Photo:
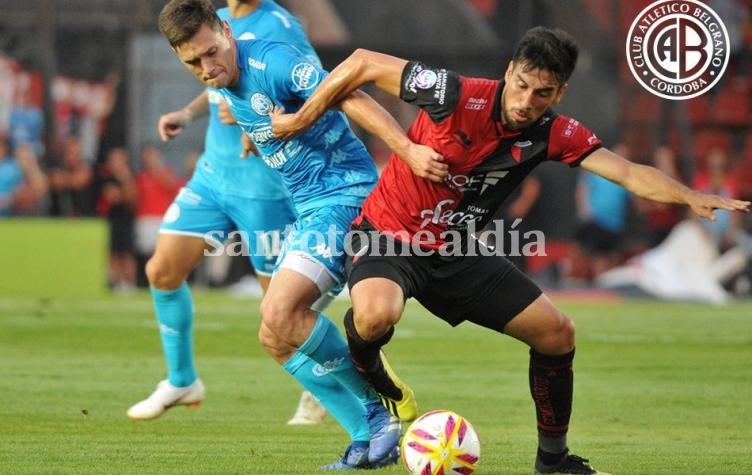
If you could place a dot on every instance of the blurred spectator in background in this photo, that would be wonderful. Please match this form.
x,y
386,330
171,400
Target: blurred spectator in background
x,y
715,177
727,232
737,18
602,209
22,182
685,266
157,186
26,122
660,218
699,259
71,181
117,202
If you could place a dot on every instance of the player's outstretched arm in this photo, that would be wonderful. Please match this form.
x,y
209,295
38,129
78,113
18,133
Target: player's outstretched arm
x,y
361,67
170,125
651,183
422,160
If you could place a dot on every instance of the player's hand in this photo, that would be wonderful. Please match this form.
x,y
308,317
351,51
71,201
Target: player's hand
x,y
249,148
225,115
704,205
172,124
425,162
284,126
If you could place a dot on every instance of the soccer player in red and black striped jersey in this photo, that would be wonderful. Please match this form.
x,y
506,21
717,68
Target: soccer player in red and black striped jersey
x,y
490,134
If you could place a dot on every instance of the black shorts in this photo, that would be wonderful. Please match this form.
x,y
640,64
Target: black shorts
x,y
121,232
486,290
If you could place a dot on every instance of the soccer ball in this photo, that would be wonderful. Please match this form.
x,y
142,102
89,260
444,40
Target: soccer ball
x,y
440,443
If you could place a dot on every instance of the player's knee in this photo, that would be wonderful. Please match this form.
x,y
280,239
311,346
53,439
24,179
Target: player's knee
x,y
267,338
560,338
375,320
162,274
273,345
275,313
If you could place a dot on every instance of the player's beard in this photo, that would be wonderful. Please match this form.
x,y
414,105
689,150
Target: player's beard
x,y
512,123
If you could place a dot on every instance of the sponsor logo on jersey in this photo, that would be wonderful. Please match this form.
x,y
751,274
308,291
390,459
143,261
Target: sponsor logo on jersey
x,y
440,90
480,181
262,135
570,128
443,213
261,104
305,76
476,103
280,157
425,79
276,159
677,49
254,63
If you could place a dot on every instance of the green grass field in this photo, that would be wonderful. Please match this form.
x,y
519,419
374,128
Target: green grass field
x,y
659,388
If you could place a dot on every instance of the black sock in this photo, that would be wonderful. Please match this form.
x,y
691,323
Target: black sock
x,y
551,386
546,461
366,358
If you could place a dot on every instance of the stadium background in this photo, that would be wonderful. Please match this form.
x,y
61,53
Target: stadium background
x,y
661,388
100,69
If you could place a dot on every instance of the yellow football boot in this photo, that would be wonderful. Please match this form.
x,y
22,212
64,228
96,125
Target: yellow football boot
x,y
406,409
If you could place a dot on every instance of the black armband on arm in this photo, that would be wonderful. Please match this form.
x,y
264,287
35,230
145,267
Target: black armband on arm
x,y
436,91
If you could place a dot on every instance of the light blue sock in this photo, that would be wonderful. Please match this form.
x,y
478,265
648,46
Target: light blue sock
x,y
341,403
326,346
174,309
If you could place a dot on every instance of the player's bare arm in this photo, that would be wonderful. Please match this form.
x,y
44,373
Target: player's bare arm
x,y
225,114
651,183
172,124
361,67
422,160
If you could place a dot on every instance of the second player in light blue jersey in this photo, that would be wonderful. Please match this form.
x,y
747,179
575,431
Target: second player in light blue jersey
x,y
328,172
225,193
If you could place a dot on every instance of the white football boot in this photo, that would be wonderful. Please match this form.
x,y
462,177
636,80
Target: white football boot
x,y
309,412
166,396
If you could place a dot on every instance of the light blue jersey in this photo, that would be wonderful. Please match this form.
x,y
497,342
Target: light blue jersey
x,y
11,176
220,164
324,166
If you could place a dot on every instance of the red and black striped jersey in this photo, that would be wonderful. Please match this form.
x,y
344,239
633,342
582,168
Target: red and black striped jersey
x,y
460,118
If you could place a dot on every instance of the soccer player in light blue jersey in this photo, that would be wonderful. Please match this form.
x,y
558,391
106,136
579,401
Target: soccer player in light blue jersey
x,y
328,172
226,193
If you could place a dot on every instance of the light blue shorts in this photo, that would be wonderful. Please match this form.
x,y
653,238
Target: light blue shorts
x,y
203,211
315,247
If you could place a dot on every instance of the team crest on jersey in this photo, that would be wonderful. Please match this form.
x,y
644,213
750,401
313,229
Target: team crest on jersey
x,y
261,104
425,79
305,76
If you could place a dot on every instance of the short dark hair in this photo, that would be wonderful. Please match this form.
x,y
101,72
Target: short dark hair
x,y
551,49
180,20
